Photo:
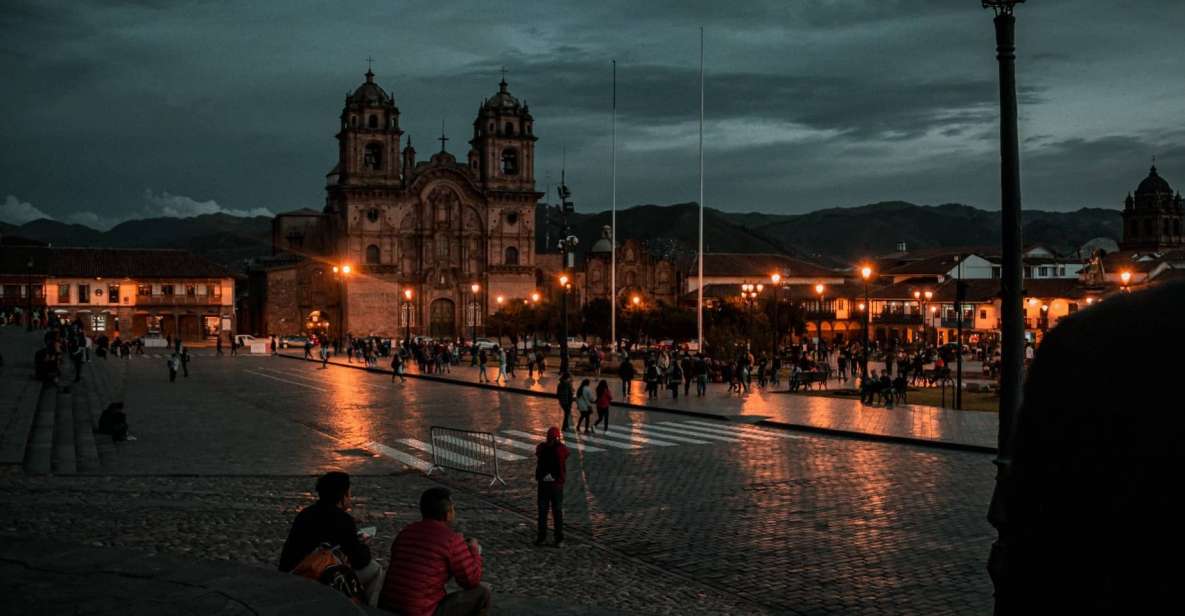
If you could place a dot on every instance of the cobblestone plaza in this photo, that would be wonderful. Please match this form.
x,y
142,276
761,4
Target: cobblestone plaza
x,y
670,514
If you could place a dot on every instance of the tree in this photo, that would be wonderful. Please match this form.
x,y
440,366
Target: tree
x,y
595,319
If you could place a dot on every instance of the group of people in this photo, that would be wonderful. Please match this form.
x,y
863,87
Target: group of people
x,y
325,544
586,400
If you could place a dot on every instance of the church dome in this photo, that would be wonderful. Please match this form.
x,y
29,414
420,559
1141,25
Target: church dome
x,y
1154,184
603,245
503,99
369,92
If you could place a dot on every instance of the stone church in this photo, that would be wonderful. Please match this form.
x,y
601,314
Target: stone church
x,y
1152,218
401,242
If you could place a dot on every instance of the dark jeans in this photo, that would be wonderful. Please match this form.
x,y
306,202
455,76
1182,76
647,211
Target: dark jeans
x,y
476,600
625,388
551,497
567,416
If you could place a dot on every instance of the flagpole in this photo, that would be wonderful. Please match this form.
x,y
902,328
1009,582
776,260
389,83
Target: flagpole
x,y
613,193
699,304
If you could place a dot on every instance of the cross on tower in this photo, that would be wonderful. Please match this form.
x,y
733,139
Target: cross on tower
x,y
503,74
442,138
369,61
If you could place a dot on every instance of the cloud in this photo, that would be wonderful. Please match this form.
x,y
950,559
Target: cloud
x,y
168,205
20,212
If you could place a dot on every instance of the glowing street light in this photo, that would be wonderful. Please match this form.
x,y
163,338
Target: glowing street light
x,y
866,274
500,299
407,312
473,321
637,301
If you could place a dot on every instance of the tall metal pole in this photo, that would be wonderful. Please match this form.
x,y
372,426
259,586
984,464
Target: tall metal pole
x,y
613,199
777,292
960,296
867,319
29,292
563,329
699,303
1012,311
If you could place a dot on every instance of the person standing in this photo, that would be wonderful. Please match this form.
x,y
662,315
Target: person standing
x,y
700,367
674,380
511,360
481,366
184,356
584,404
501,376
234,347
603,400
218,346
397,366
76,356
651,378
563,393
324,355
627,373
551,469
172,363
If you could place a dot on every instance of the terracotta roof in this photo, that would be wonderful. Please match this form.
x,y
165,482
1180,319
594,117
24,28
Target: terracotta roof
x,y
982,290
109,262
940,264
759,267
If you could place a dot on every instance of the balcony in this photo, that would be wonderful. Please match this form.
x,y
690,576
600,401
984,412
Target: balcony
x,y
818,315
178,300
897,318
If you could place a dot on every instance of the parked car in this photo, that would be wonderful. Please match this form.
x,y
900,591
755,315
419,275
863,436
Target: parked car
x,y
486,343
293,341
575,343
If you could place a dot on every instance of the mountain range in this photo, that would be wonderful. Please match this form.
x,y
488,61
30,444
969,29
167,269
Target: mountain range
x,y
834,235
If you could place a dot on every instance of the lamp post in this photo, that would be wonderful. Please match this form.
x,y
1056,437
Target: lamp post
x,y
1012,334
776,279
534,326
407,312
636,301
1126,277
565,285
749,294
29,293
865,273
473,289
341,272
819,290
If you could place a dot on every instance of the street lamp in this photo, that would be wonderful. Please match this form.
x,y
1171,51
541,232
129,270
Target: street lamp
x,y
749,292
1126,277
407,312
819,290
473,289
340,272
779,283
565,285
29,292
866,274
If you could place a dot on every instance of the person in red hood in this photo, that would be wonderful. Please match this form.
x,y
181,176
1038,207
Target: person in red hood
x,y
425,555
551,469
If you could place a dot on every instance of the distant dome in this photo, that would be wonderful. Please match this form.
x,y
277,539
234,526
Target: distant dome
x,y
603,245
503,99
1154,184
369,92
1106,244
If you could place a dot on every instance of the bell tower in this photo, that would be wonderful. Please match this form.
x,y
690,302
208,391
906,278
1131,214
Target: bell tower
x,y
368,141
503,144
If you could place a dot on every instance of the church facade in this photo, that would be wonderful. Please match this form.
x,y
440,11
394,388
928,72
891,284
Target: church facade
x,y
401,243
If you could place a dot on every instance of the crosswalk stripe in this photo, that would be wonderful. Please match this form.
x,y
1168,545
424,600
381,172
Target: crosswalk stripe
x,y
603,440
405,458
502,455
443,454
753,430
645,430
714,430
509,442
693,433
572,442
626,435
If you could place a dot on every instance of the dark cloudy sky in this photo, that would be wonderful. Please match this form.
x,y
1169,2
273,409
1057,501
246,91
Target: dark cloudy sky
x,y
118,109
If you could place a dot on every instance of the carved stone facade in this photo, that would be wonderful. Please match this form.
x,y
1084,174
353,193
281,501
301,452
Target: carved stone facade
x,y
638,273
432,228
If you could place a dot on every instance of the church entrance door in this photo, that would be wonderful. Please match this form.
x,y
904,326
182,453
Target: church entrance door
x,y
443,319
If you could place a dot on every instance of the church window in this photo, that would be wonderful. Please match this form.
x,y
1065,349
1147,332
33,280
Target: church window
x,y
511,256
354,121
373,156
372,214
511,218
442,249
509,128
509,161
372,121
372,254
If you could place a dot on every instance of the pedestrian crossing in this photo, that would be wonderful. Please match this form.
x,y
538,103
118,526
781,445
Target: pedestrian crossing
x,y
163,355
519,445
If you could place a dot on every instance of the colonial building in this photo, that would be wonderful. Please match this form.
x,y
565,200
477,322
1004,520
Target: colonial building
x,y
401,242
639,273
120,292
1152,218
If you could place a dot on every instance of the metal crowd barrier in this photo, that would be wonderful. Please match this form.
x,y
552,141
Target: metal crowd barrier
x,y
466,451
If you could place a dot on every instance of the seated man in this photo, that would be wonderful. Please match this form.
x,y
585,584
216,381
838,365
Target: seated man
x,y
328,521
425,555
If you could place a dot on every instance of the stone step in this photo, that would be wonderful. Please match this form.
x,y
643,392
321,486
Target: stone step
x,y
39,453
64,460
86,453
20,398
98,402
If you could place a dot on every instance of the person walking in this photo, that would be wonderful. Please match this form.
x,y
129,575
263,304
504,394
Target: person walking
x,y
185,361
700,367
511,360
218,346
76,356
651,378
397,367
481,367
603,400
685,365
173,365
324,356
234,347
551,469
675,379
627,372
563,393
501,376
584,404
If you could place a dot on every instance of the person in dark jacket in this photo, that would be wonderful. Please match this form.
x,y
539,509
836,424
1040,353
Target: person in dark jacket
x,y
563,392
627,372
425,555
1084,503
551,469
328,521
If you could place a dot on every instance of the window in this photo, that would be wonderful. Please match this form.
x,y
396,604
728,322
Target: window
x,y
354,121
99,322
37,290
143,290
995,272
191,290
1043,272
214,290
84,294
372,121
372,157
166,290
510,162
509,129
442,249
113,294
1073,307
372,254
1061,270
983,315
511,256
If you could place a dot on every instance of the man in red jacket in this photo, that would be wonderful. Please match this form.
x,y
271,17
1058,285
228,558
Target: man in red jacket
x,y
425,555
551,469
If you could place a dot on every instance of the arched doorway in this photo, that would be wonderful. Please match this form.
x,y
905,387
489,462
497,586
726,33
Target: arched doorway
x,y
442,319
317,325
